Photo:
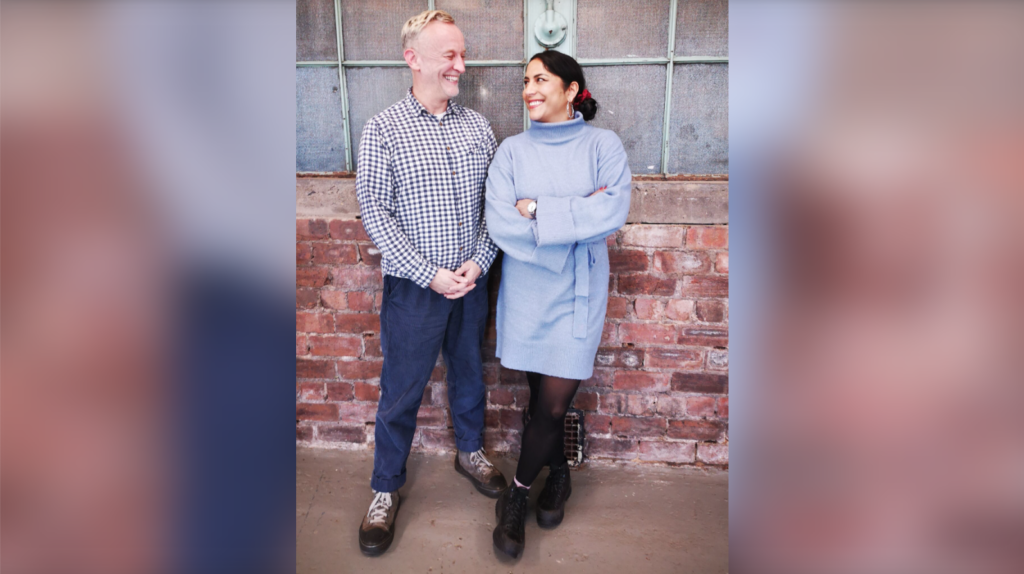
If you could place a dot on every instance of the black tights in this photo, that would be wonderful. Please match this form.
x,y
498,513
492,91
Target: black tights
x,y
544,435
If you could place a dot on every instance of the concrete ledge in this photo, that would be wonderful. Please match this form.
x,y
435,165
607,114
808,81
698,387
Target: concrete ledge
x,y
686,202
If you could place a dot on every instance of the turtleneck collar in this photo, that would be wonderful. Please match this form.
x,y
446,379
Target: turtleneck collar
x,y
557,132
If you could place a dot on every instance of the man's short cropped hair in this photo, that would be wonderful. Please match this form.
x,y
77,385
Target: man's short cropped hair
x,y
417,23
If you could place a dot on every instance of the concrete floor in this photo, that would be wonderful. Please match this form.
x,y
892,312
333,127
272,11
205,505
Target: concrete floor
x,y
623,519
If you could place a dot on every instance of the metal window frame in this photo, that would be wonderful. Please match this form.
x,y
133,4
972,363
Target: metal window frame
x,y
669,61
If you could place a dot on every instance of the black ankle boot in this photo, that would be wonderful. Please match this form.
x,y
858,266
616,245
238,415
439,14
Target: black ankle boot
x,y
551,504
510,533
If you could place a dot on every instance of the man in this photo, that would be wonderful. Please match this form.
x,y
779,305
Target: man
x,y
422,167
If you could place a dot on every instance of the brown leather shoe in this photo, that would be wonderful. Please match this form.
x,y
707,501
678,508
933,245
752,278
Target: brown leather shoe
x,y
485,476
378,527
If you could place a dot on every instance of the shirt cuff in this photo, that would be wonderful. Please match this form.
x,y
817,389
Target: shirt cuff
x,y
554,221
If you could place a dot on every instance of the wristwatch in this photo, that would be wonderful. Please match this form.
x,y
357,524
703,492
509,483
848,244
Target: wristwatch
x,y
531,208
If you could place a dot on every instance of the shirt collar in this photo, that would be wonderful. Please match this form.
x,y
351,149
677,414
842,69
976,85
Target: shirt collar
x,y
417,109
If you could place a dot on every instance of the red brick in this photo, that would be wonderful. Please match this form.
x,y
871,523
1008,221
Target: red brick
x,y
307,322
700,406
601,378
511,419
501,396
637,405
619,357
367,392
437,375
492,418
705,286
629,427
700,383
438,439
653,236
613,240
371,347
369,254
710,311
646,334
359,370
609,335
334,299
334,254
522,397
360,301
707,238
490,374
339,392
695,430
348,230
431,417
627,260
310,392
316,411
717,454
356,278
306,297
306,229
357,413
597,447
342,433
356,323
672,407
681,262
301,345
500,440
718,359
378,298
597,424
428,392
640,381
303,433
649,309
704,337
640,284
312,276
335,346
314,369
585,401
618,308
511,377
722,263
663,451
679,309
723,408
673,358
303,254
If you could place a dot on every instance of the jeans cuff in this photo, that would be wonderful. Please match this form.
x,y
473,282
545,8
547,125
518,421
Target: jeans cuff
x,y
387,484
469,445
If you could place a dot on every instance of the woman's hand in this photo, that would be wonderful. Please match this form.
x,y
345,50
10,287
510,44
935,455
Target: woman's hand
x,y
521,206
598,191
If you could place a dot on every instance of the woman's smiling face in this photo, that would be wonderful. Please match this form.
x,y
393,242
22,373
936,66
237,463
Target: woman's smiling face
x,y
544,94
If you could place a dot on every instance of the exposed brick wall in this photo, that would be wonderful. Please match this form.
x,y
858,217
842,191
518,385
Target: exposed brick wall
x,y
660,385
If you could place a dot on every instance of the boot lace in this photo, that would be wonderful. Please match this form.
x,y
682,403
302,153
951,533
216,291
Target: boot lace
x,y
478,460
378,513
555,485
516,510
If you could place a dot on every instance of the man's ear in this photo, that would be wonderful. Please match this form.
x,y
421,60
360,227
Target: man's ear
x,y
412,58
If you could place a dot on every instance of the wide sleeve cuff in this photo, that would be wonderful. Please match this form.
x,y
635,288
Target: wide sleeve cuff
x,y
554,221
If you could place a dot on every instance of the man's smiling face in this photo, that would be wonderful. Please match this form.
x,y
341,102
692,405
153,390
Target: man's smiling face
x,y
440,52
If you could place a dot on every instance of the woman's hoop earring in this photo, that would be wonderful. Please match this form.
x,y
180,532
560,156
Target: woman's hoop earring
x,y
568,109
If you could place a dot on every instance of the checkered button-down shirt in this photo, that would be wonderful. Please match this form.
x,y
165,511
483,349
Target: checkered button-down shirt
x,y
420,186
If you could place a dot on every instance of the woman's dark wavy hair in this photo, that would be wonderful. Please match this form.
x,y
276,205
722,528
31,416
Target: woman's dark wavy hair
x,y
569,70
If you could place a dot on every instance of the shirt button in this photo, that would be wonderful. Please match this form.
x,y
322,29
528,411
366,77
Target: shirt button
x,y
460,249
447,148
460,224
453,173
440,123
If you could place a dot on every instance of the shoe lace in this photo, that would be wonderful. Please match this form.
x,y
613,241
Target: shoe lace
x,y
480,461
517,508
555,485
379,508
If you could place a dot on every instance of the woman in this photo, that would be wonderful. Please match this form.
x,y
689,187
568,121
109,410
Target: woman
x,y
554,193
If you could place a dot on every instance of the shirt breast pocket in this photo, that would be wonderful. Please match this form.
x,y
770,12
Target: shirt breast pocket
x,y
472,159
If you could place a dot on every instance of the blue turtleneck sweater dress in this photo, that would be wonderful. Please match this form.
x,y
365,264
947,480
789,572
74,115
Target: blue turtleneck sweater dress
x,y
554,275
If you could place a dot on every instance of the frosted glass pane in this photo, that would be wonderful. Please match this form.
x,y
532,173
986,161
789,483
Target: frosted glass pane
x,y
616,29
315,32
497,93
371,91
373,30
493,29
631,103
702,28
319,132
699,125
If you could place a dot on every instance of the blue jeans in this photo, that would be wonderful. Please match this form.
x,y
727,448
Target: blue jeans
x,y
416,324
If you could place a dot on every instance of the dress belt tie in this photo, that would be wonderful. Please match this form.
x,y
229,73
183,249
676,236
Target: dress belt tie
x,y
584,260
